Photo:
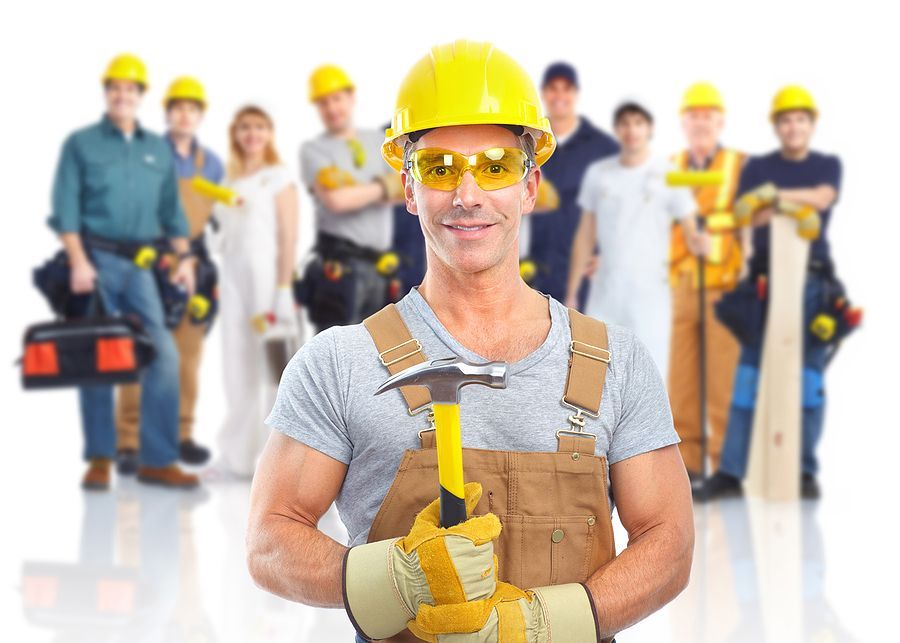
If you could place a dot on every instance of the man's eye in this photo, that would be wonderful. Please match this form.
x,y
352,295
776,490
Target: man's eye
x,y
440,171
496,169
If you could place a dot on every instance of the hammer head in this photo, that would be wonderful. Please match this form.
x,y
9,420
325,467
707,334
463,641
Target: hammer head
x,y
444,377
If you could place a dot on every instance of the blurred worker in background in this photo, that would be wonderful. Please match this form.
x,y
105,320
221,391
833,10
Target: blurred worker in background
x,y
702,120
352,189
800,176
185,104
115,194
257,239
628,209
409,244
579,143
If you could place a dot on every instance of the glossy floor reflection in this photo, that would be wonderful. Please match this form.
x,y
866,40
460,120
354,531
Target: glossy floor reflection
x,y
155,565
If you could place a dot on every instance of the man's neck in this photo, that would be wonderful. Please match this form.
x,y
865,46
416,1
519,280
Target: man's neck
x,y
183,143
795,154
633,158
701,154
564,125
125,125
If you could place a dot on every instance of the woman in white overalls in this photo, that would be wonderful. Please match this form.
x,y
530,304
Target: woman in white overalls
x,y
257,240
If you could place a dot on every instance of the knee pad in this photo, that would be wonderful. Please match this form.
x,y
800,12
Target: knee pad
x,y
813,388
746,382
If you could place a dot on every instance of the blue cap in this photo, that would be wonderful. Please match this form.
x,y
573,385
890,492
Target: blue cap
x,y
560,70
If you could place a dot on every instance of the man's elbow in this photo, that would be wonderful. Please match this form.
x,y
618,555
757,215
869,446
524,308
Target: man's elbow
x,y
684,558
257,557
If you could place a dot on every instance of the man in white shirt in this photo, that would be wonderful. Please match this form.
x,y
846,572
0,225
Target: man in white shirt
x,y
628,209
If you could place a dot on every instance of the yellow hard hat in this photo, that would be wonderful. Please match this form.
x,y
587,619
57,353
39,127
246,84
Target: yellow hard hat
x,y
327,79
185,88
466,83
126,67
790,98
702,95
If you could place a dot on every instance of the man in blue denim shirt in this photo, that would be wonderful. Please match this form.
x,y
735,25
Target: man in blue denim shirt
x,y
805,177
115,191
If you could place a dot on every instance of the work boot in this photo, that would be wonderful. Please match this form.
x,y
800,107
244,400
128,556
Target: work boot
x,y
722,485
190,452
96,478
127,462
171,476
809,487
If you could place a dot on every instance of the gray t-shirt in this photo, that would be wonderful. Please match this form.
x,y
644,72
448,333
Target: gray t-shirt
x,y
372,226
326,400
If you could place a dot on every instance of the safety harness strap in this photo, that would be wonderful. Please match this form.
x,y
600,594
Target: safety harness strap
x,y
398,350
587,363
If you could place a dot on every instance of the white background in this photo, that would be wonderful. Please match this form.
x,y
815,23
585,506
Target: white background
x,y
52,55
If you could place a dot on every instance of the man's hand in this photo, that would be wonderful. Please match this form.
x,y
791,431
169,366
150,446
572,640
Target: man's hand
x,y
699,243
386,582
592,265
82,277
186,274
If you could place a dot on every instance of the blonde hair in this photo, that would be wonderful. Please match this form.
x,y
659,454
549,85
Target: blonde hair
x,y
236,155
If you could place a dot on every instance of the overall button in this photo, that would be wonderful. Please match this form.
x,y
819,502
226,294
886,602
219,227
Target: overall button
x,y
576,455
591,521
558,535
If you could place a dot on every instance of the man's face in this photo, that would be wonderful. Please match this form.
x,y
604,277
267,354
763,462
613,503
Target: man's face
x,y
470,229
702,127
560,98
123,97
336,110
795,129
183,117
633,131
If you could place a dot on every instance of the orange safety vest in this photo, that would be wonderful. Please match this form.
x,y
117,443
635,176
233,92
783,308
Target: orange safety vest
x,y
723,265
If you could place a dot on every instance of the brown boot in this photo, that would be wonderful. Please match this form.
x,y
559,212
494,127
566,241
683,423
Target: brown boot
x,y
171,476
97,476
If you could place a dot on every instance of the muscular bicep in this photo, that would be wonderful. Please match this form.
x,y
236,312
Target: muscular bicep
x,y
294,481
653,489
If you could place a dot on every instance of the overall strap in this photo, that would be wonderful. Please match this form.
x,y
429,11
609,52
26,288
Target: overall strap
x,y
199,159
588,360
398,350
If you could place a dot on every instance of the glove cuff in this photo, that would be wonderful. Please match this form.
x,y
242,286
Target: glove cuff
x,y
371,597
569,612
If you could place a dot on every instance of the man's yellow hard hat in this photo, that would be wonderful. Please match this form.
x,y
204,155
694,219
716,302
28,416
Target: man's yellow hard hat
x,y
126,67
702,95
466,83
327,79
185,88
790,98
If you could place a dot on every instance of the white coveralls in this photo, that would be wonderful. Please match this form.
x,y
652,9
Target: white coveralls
x,y
248,245
634,210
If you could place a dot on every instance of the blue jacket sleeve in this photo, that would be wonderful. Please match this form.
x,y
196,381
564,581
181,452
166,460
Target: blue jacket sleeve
x,y
66,214
172,218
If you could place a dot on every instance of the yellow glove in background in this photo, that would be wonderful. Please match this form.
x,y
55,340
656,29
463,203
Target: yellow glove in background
x,y
386,582
753,201
547,197
809,223
513,615
331,178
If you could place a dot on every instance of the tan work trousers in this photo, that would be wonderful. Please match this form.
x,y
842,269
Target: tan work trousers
x,y
189,340
722,354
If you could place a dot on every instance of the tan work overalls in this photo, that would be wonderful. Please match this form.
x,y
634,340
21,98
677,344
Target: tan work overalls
x,y
187,335
554,507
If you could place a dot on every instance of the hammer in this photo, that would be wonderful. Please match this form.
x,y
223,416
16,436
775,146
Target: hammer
x,y
444,378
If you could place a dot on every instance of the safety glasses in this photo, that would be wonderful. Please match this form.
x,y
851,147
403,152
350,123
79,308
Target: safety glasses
x,y
492,169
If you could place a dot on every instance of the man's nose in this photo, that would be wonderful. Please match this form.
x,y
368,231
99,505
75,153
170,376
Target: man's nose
x,y
468,195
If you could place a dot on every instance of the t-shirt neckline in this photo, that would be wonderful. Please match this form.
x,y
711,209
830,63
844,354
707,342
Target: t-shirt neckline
x,y
557,328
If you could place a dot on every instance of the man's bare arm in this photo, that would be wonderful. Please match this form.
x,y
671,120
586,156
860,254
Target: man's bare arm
x,y
653,497
820,197
287,555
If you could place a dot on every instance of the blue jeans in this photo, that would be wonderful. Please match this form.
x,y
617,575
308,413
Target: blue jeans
x,y
127,288
736,450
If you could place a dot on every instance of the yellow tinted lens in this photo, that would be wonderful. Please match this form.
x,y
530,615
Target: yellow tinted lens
x,y
439,169
499,167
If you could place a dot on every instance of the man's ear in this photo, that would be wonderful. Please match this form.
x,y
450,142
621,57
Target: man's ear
x,y
531,190
409,193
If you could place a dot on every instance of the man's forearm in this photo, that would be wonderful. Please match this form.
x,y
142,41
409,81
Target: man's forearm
x,y
354,197
71,241
821,197
297,562
581,250
653,569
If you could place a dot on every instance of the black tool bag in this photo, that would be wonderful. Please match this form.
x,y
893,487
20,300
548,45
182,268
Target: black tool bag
x,y
96,349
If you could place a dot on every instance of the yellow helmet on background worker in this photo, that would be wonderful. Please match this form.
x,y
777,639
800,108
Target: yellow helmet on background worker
x,y
466,83
790,98
126,67
185,88
702,95
327,79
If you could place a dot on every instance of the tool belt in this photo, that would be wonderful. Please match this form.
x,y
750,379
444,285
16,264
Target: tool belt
x,y
327,288
203,305
96,349
143,254
554,506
